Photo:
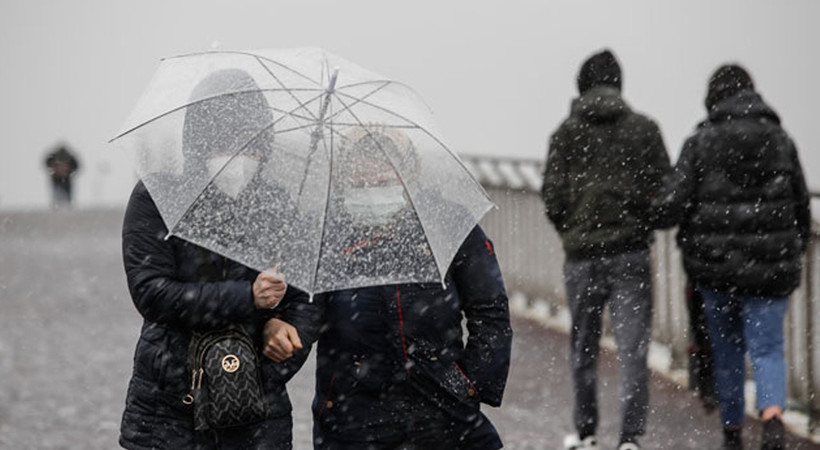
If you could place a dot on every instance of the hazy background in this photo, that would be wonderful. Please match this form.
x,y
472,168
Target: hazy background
x,y
499,75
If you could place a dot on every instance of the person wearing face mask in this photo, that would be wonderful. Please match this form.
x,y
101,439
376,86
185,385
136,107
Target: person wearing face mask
x,y
392,368
232,174
375,206
180,288
372,211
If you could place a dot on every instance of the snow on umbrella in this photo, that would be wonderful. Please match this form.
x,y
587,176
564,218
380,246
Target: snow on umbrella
x,y
300,159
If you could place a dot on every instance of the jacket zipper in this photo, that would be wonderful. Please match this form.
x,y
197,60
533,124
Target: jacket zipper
x,y
401,332
327,395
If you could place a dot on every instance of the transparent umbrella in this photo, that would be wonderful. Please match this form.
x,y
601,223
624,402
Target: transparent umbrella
x,y
300,159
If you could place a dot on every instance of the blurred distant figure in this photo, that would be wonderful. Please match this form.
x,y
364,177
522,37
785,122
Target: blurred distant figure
x,y
605,164
740,199
61,165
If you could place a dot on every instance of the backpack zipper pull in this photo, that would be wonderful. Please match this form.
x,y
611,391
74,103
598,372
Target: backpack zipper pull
x,y
189,398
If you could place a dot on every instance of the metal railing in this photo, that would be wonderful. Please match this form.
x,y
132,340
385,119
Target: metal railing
x,y
531,257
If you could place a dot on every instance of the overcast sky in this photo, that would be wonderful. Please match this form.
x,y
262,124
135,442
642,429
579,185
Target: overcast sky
x,y
499,75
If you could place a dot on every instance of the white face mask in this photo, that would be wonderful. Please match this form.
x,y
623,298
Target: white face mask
x,y
235,175
374,206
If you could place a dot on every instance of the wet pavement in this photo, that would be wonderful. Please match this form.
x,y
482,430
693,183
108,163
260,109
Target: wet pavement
x,y
68,329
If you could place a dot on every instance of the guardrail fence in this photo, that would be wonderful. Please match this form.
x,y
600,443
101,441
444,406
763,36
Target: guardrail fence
x,y
530,253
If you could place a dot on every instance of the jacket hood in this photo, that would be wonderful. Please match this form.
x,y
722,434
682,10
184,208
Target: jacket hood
x,y
745,104
727,81
601,69
599,104
227,112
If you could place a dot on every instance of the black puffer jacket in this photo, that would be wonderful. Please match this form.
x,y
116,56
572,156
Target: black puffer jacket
x,y
383,345
740,198
605,163
179,287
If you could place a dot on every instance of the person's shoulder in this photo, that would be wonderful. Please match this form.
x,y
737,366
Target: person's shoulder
x,y
140,205
569,124
476,238
139,192
641,119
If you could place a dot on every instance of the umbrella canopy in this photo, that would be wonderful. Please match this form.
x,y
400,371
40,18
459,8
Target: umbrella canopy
x,y
301,159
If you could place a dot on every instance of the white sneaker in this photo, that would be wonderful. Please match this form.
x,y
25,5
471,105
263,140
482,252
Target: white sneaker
x,y
629,446
571,442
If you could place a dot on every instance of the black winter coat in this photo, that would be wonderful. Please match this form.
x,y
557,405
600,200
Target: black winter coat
x,y
740,198
605,163
179,287
383,343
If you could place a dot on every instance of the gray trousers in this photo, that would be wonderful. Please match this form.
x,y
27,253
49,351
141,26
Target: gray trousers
x,y
623,281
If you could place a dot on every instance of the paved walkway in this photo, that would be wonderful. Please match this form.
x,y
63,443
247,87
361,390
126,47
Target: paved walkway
x,y
68,329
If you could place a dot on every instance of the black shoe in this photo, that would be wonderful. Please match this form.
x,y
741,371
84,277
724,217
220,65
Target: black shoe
x,y
732,439
773,434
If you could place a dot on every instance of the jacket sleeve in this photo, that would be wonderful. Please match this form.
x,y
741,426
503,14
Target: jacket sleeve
x,y
677,188
306,315
657,167
486,358
151,272
294,299
555,190
801,197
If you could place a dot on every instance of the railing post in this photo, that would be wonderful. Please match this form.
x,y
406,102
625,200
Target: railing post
x,y
813,401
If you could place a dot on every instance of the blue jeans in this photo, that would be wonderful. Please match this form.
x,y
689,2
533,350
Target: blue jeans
x,y
739,323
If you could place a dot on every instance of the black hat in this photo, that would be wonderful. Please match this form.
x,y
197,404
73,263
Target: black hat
x,y
727,81
600,69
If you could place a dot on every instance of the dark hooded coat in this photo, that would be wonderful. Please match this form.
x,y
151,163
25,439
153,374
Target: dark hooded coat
x,y
740,198
179,287
605,163
392,357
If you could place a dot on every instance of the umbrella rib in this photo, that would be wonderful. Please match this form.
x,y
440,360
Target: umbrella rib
x,y
410,197
387,82
425,131
361,99
296,99
186,105
397,127
291,113
252,55
199,194
302,127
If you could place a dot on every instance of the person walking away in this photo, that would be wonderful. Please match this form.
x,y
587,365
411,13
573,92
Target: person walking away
x,y
741,202
392,368
61,165
604,164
